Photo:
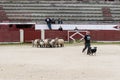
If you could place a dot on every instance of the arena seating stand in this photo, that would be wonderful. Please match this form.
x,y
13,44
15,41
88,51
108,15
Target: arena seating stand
x,y
107,14
3,16
71,11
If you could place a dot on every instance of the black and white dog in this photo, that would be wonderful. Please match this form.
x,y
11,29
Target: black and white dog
x,y
92,51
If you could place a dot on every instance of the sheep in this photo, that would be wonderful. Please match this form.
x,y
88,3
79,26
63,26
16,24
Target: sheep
x,y
59,42
41,43
52,43
46,43
35,43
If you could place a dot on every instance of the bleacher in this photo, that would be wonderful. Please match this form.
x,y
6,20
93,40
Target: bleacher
x,y
70,11
107,14
3,16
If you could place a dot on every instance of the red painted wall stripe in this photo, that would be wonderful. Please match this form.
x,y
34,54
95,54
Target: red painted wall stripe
x,y
9,36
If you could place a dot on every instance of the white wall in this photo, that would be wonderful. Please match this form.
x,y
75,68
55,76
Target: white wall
x,y
81,27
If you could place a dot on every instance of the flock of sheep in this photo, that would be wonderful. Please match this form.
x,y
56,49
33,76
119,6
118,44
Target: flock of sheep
x,y
47,43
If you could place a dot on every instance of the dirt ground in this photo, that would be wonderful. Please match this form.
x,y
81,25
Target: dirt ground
x,y
23,62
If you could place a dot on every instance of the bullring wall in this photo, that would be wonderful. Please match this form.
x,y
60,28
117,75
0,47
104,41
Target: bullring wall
x,y
11,34
100,35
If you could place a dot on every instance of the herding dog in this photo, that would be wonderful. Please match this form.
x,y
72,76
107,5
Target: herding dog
x,y
92,51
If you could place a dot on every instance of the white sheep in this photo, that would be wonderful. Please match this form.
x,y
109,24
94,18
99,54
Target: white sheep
x,y
46,43
52,43
35,43
42,44
59,42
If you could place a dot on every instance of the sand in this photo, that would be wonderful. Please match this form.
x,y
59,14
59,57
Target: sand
x,y
24,62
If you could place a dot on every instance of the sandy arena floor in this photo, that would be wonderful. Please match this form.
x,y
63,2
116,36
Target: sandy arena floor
x,y
27,63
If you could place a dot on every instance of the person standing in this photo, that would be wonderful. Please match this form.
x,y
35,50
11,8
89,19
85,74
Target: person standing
x,y
53,21
48,21
87,44
76,29
60,21
60,28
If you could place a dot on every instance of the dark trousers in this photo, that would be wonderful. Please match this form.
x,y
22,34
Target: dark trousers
x,y
49,25
87,46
